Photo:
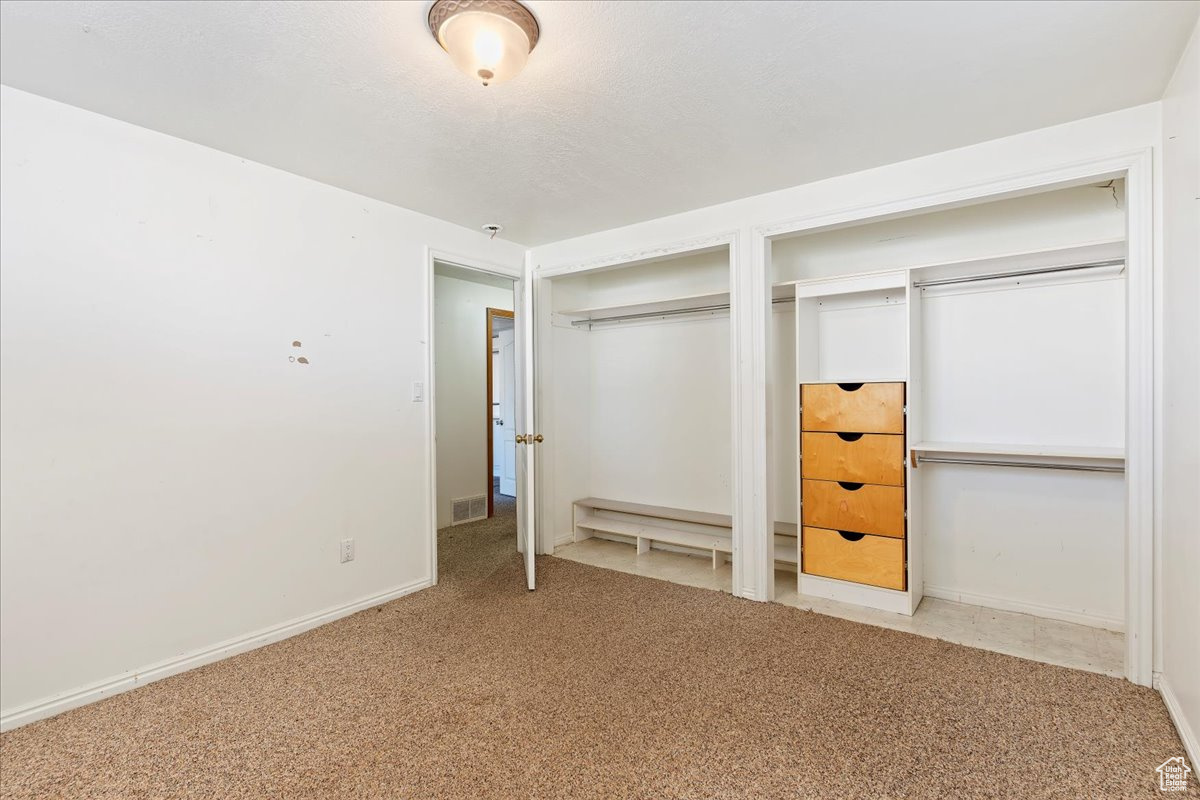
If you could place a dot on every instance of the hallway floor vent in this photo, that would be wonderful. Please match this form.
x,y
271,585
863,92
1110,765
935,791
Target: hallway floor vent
x,y
469,509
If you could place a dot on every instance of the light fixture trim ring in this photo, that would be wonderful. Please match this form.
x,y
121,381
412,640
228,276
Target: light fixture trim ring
x,y
510,10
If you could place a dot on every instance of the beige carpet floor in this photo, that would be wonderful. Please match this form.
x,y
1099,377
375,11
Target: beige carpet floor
x,y
600,684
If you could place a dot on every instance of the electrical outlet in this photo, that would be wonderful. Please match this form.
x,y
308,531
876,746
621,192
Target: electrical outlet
x,y
347,550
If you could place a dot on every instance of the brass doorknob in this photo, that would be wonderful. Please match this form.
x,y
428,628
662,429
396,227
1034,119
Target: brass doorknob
x,y
520,438
537,437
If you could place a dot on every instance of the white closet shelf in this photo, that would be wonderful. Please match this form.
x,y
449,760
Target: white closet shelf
x,y
893,280
649,306
701,541
1023,259
1049,451
718,540
678,303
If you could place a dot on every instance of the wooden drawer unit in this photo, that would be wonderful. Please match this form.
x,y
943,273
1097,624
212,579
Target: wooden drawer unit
x,y
852,407
858,557
860,507
861,458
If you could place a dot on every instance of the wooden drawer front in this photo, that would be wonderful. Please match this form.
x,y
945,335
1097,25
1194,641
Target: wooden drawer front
x,y
861,507
863,458
877,560
853,407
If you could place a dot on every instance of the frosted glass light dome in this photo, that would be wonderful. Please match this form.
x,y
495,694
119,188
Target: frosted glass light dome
x,y
489,40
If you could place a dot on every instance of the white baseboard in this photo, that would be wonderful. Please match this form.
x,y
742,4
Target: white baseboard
x,y
564,538
41,709
1190,741
1046,612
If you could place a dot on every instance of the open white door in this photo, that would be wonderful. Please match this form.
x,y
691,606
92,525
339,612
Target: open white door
x,y
526,439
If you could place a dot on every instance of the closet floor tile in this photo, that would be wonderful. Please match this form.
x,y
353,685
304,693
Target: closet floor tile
x,y
1055,635
946,610
1005,628
1022,635
661,564
1110,647
956,628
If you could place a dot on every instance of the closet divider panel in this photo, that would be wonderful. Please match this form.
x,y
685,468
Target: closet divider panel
x,y
914,424
784,430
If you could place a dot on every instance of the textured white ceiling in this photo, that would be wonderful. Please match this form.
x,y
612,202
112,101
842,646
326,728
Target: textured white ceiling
x,y
626,111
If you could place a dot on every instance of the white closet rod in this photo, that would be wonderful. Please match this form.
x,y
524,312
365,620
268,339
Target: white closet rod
x,y
991,276
671,313
984,462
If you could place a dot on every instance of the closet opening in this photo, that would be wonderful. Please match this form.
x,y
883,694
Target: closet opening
x,y
948,420
473,394
636,400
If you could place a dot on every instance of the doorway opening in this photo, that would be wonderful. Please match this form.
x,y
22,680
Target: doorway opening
x,y
501,409
475,412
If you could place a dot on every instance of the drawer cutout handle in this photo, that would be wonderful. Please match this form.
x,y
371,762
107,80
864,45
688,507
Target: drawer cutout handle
x,y
850,437
849,486
850,387
850,536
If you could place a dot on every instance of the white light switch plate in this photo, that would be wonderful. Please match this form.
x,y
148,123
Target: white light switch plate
x,y
418,392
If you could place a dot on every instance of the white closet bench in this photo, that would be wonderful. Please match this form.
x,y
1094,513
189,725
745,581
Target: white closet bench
x,y
646,524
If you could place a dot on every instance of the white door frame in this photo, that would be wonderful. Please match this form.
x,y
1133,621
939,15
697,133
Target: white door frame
x,y
433,255
1137,167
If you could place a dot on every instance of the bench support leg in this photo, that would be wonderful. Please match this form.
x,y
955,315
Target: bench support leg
x,y
718,559
580,533
643,545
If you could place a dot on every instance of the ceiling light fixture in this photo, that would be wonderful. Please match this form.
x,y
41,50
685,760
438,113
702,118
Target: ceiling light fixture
x,y
490,40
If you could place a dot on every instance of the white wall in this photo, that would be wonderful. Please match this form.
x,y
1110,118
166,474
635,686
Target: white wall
x,y
660,414
460,333
171,481
565,416
1180,520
